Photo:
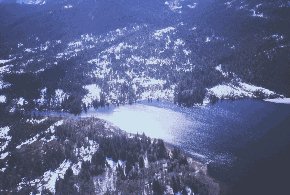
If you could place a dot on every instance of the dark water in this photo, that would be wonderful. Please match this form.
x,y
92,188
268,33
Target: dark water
x,y
246,143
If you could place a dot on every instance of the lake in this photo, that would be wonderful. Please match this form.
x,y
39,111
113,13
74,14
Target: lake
x,y
233,137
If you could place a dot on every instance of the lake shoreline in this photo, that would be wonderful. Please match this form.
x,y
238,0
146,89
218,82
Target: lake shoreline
x,y
202,167
216,135
199,165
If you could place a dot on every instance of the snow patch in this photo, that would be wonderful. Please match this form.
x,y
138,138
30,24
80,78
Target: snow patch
x,y
179,42
108,180
42,99
157,61
276,37
253,88
5,69
31,2
59,97
85,153
4,61
19,45
76,168
229,4
193,28
68,6
192,6
49,178
239,90
36,121
186,52
50,130
146,162
117,50
158,34
257,14
44,47
4,137
279,100
2,99
29,50
4,155
4,85
208,39
4,132
93,94
21,101
28,142
219,69
174,5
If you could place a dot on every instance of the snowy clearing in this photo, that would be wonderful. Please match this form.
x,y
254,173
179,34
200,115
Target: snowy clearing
x,y
93,94
238,90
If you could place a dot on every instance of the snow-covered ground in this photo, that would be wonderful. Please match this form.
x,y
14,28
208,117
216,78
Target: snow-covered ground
x,y
107,181
192,6
174,5
255,13
5,61
4,85
85,153
158,34
49,178
47,181
31,2
28,142
155,54
238,90
2,98
279,100
50,130
59,97
56,100
21,101
93,94
4,155
69,6
5,138
219,68
36,121
5,69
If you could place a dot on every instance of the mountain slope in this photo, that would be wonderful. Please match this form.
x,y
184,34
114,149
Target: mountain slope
x,y
135,50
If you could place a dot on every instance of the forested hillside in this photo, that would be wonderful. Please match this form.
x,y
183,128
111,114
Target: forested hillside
x,y
56,56
89,156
